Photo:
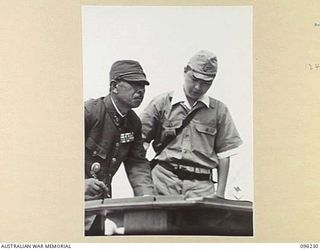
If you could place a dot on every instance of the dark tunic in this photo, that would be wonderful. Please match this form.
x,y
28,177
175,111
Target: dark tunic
x,y
110,140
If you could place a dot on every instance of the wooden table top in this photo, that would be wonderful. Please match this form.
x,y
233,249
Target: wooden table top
x,y
166,202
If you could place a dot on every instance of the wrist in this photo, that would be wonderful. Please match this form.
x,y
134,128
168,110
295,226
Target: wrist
x,y
219,194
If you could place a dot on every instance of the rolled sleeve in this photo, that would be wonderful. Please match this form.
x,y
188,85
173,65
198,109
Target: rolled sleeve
x,y
229,153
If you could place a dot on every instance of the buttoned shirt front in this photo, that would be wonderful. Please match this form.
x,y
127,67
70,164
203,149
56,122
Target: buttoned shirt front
x,y
210,135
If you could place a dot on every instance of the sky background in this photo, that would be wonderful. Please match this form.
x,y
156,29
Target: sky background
x,y
163,39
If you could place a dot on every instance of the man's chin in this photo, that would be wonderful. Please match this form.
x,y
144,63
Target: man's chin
x,y
194,96
136,103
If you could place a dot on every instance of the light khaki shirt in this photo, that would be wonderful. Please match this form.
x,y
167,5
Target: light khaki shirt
x,y
210,135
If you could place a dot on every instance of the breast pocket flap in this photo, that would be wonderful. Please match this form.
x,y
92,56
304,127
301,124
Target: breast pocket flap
x,y
95,148
172,124
206,129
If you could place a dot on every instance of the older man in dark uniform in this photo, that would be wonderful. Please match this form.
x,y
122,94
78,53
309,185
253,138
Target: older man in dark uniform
x,y
113,136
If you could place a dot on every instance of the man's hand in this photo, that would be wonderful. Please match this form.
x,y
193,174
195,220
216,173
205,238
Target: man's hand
x,y
94,188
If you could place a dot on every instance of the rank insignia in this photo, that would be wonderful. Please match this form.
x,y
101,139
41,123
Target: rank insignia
x,y
126,137
207,67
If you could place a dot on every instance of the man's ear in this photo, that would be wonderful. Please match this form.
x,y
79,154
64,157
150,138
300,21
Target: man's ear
x,y
114,87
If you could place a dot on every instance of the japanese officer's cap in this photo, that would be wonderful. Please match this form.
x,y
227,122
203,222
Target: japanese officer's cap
x,y
128,70
204,65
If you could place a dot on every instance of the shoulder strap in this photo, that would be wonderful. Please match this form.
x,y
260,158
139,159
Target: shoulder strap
x,y
185,122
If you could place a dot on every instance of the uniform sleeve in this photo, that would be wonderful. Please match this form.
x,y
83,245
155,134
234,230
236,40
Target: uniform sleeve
x,y
150,120
88,120
228,138
138,168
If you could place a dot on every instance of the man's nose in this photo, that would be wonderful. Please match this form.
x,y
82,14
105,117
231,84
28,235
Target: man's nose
x,y
197,85
141,91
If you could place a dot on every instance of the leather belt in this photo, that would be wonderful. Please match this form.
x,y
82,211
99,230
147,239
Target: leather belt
x,y
185,172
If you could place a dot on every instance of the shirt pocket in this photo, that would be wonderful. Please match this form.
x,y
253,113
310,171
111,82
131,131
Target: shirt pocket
x,y
169,128
203,138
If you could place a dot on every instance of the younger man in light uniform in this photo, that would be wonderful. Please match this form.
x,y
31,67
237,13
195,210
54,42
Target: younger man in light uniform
x,y
207,142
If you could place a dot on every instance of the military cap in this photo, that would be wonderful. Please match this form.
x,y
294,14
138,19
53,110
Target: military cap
x,y
128,70
204,65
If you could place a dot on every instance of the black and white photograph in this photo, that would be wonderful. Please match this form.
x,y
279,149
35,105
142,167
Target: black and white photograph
x,y
168,124
159,124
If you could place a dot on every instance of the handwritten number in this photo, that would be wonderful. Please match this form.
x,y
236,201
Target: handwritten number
x,y
312,66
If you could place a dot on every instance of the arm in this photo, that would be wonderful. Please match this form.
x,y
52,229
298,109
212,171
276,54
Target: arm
x,y
223,170
88,119
137,167
139,175
227,144
150,119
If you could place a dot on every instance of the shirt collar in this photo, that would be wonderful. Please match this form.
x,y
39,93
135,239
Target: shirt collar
x,y
179,96
116,108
